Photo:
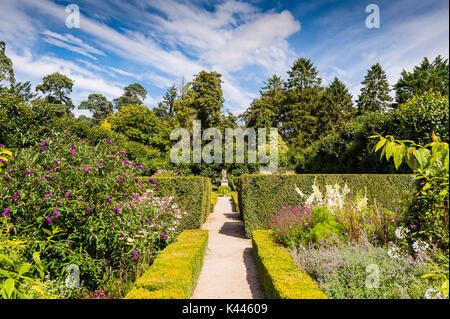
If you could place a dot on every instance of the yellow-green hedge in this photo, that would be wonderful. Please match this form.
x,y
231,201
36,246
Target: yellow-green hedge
x,y
234,197
174,273
280,276
214,196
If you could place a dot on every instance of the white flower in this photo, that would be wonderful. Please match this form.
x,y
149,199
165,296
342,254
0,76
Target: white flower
x,y
401,232
130,240
420,246
393,252
299,192
433,294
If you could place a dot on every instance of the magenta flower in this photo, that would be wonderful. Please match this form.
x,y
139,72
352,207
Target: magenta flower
x,y
48,195
69,243
148,222
68,193
16,195
48,219
140,184
136,197
122,235
134,254
118,180
98,166
118,209
84,255
123,153
56,213
86,169
6,211
43,144
88,209
73,152
109,198
87,263
162,234
152,180
109,142
126,162
28,172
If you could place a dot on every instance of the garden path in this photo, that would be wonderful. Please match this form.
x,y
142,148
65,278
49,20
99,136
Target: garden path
x,y
229,269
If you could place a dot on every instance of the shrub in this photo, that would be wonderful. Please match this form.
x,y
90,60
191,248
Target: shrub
x,y
280,277
90,194
192,194
346,272
174,273
224,190
263,195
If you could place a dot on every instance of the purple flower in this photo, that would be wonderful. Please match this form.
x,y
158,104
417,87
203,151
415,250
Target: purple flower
x,y
109,142
43,144
148,222
56,213
118,209
68,193
88,209
98,166
162,234
6,211
72,146
100,161
16,195
152,180
118,180
136,197
48,195
134,254
126,162
69,243
48,219
55,166
122,235
140,184
28,172
422,183
413,227
87,263
86,169
84,255
73,152
123,153
109,198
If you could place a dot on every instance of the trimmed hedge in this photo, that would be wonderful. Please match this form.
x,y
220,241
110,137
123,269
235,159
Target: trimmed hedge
x,y
280,276
192,194
214,196
174,273
261,195
234,197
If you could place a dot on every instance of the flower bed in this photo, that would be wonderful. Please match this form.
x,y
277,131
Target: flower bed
x,y
175,271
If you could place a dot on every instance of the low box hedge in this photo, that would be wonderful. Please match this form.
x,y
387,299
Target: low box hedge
x,y
234,197
280,276
261,195
174,272
192,195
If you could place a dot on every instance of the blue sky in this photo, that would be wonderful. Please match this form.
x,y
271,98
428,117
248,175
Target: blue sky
x,y
160,42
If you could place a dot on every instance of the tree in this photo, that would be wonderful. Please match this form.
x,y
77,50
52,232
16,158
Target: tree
x,y
337,107
23,90
206,97
298,115
165,109
138,123
265,111
57,88
134,94
99,105
423,78
375,91
6,66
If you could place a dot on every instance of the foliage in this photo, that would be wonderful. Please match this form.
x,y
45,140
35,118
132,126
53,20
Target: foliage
x,y
375,91
427,76
174,273
347,272
6,68
134,94
138,123
430,164
263,195
224,190
90,193
5,156
165,110
99,105
280,277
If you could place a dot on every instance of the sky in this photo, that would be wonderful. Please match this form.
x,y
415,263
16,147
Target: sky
x,y
158,43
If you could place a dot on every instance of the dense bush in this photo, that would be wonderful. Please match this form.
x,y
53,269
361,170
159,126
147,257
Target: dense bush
x,y
280,277
175,271
347,272
89,196
263,195
192,194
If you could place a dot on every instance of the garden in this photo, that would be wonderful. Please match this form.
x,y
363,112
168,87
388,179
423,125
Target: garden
x,y
94,208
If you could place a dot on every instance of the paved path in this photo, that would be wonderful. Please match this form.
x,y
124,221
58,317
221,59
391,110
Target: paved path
x,y
229,270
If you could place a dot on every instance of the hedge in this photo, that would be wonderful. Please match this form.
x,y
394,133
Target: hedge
x,y
192,194
214,197
280,276
234,197
261,195
174,272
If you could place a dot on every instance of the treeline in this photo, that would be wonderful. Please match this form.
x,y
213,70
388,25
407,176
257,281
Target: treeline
x,y
321,128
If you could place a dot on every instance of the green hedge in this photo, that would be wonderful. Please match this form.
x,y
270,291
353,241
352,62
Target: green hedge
x,y
260,195
234,197
192,194
280,276
174,273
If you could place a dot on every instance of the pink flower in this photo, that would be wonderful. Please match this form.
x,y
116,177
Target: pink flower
x,y
88,209
109,198
28,172
118,180
118,209
6,211
148,222
123,153
16,196
134,254
48,219
109,142
162,234
140,184
56,213
86,169
73,152
68,193
48,195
